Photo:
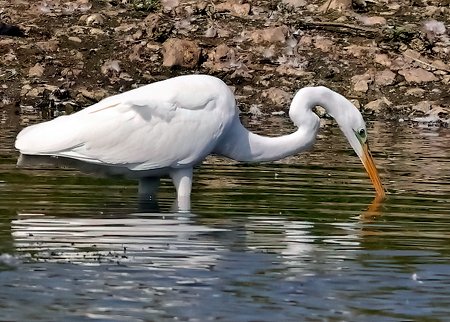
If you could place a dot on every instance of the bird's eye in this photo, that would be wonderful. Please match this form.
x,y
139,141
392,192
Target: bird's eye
x,y
361,135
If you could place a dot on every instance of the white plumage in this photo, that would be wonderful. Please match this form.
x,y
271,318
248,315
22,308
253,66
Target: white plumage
x,y
168,127
151,127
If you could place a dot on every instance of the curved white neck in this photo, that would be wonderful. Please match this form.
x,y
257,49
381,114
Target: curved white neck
x,y
306,98
242,145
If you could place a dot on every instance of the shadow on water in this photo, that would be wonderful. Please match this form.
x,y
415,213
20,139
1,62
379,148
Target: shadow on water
x,y
299,239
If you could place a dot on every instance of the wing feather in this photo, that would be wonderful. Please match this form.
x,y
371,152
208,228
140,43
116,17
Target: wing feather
x,y
172,123
137,137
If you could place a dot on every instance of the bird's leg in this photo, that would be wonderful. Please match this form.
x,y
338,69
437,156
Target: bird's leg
x,y
182,180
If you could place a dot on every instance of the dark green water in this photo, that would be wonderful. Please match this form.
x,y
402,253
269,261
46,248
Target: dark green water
x,y
300,239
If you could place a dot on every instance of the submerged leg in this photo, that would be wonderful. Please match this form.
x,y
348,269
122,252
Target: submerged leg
x,y
182,180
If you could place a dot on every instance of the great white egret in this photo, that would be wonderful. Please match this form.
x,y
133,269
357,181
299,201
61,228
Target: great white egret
x,y
168,127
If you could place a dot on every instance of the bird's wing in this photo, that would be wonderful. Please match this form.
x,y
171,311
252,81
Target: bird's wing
x,y
137,134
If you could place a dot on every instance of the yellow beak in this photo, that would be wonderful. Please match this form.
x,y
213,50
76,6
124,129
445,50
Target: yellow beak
x,y
368,163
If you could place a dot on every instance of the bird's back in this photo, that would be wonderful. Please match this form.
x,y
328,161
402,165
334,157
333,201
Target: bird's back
x,y
172,123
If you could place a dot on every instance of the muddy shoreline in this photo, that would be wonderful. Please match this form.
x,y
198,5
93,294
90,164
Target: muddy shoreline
x,y
390,57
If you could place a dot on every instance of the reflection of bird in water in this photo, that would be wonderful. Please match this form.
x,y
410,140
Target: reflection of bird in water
x,y
168,127
373,210
162,240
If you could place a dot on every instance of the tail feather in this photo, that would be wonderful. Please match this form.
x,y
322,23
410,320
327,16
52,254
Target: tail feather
x,y
49,137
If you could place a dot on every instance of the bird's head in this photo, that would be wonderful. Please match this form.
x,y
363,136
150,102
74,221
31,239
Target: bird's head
x,y
354,128
346,115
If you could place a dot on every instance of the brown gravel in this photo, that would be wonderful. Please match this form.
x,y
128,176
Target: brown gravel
x,y
389,56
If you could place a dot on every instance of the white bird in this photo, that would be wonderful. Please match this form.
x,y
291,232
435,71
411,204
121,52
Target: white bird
x,y
169,127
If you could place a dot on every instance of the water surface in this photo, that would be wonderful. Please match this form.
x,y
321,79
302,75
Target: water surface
x,y
298,239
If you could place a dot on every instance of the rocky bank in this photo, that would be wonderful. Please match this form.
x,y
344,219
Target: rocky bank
x,y
391,57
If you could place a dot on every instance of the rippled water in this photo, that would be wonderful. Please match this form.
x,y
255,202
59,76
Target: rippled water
x,y
299,239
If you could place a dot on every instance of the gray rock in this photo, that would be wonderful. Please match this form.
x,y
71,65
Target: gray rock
x,y
95,19
49,45
36,71
110,67
361,82
340,5
423,107
180,52
277,96
168,5
294,3
384,77
383,59
377,105
417,92
94,95
74,39
234,7
371,21
271,35
417,75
